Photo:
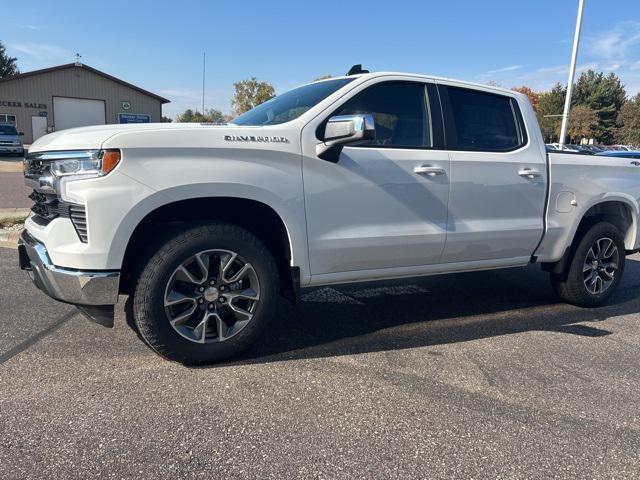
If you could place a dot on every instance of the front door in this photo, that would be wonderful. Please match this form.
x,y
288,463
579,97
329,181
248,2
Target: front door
x,y
38,127
384,203
498,178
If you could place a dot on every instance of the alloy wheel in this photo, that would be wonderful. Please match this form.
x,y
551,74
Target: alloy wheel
x,y
600,266
211,296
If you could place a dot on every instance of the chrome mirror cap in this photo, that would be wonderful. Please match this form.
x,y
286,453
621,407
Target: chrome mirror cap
x,y
343,130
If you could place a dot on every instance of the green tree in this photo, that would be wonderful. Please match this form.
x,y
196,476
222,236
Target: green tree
x,y
583,123
628,131
209,116
250,93
604,94
8,65
166,119
551,104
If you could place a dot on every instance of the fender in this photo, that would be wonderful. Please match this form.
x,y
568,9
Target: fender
x,y
291,214
560,235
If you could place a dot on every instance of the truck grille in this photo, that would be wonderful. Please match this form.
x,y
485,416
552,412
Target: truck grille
x,y
6,143
47,207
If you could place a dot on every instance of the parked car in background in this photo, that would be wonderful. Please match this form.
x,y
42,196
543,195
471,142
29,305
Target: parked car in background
x,y
624,148
621,154
11,141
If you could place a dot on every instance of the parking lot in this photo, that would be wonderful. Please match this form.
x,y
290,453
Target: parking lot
x,y
478,375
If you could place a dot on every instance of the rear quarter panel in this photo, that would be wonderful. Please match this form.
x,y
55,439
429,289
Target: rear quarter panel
x,y
577,183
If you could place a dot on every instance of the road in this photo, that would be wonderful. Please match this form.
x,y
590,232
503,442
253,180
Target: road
x,y
13,192
480,375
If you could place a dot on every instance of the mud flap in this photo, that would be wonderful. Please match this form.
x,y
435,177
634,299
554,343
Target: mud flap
x,y
100,314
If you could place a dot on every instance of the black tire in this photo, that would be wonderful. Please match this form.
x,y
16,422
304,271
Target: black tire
x,y
570,285
148,296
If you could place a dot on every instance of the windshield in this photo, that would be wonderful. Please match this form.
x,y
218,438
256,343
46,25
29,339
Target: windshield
x,y
8,130
290,105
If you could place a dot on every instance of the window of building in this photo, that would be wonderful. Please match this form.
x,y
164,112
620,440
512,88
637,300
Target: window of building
x,y
7,119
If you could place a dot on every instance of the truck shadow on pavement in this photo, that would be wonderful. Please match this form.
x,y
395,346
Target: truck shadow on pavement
x,y
431,311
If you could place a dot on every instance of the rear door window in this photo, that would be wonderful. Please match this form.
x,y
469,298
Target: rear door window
x,y
482,121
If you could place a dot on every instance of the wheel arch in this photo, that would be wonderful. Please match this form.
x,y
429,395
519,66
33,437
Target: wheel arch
x,y
148,224
620,210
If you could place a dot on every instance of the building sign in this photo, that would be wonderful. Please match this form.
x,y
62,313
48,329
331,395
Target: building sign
x,y
126,105
134,118
7,103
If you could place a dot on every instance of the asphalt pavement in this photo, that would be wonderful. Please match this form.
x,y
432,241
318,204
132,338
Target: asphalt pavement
x,y
479,375
13,192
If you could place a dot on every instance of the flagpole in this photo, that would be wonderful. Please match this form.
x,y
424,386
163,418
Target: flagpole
x,y
572,73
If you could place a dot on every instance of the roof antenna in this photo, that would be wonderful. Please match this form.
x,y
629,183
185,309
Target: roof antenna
x,y
78,62
356,69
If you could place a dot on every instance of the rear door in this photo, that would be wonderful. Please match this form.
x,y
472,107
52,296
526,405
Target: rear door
x,y
498,178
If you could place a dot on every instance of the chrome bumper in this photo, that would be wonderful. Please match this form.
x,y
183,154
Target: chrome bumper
x,y
79,287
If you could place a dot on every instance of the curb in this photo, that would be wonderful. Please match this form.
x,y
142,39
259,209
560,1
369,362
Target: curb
x,y
9,238
8,166
14,215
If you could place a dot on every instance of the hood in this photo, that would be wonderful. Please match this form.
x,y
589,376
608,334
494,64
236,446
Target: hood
x,y
9,138
170,135
91,138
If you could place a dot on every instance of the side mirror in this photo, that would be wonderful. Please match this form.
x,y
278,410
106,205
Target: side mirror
x,y
344,130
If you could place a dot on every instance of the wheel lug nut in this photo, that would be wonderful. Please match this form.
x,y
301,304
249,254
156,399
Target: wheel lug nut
x,y
200,300
222,299
201,289
211,306
222,288
212,283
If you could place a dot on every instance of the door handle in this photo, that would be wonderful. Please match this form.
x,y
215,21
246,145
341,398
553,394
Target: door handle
x,y
429,170
529,173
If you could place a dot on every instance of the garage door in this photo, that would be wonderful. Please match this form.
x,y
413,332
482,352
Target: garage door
x,y
77,112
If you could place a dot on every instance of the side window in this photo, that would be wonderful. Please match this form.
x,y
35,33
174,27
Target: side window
x,y
8,119
483,121
400,111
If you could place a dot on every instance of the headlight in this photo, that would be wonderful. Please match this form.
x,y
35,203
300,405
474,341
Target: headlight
x,y
89,163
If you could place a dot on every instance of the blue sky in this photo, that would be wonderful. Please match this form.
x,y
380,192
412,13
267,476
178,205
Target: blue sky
x,y
158,45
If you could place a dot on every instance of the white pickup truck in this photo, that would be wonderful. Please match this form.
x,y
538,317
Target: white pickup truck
x,y
364,177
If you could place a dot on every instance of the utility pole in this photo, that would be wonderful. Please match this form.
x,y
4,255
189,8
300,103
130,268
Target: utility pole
x,y
204,64
572,73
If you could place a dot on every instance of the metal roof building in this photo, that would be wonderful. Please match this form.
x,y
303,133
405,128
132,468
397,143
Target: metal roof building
x,y
73,95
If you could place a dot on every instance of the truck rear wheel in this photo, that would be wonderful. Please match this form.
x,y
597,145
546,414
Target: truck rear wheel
x,y
207,294
595,268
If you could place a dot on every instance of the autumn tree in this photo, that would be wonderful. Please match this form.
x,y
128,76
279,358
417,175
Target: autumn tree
x,y
550,108
250,93
583,123
534,97
8,65
628,131
605,94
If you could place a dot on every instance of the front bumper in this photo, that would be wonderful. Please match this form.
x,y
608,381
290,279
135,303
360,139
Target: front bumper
x,y
11,149
94,292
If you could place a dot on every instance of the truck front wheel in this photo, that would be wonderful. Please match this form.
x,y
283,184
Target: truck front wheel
x,y
595,269
207,294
